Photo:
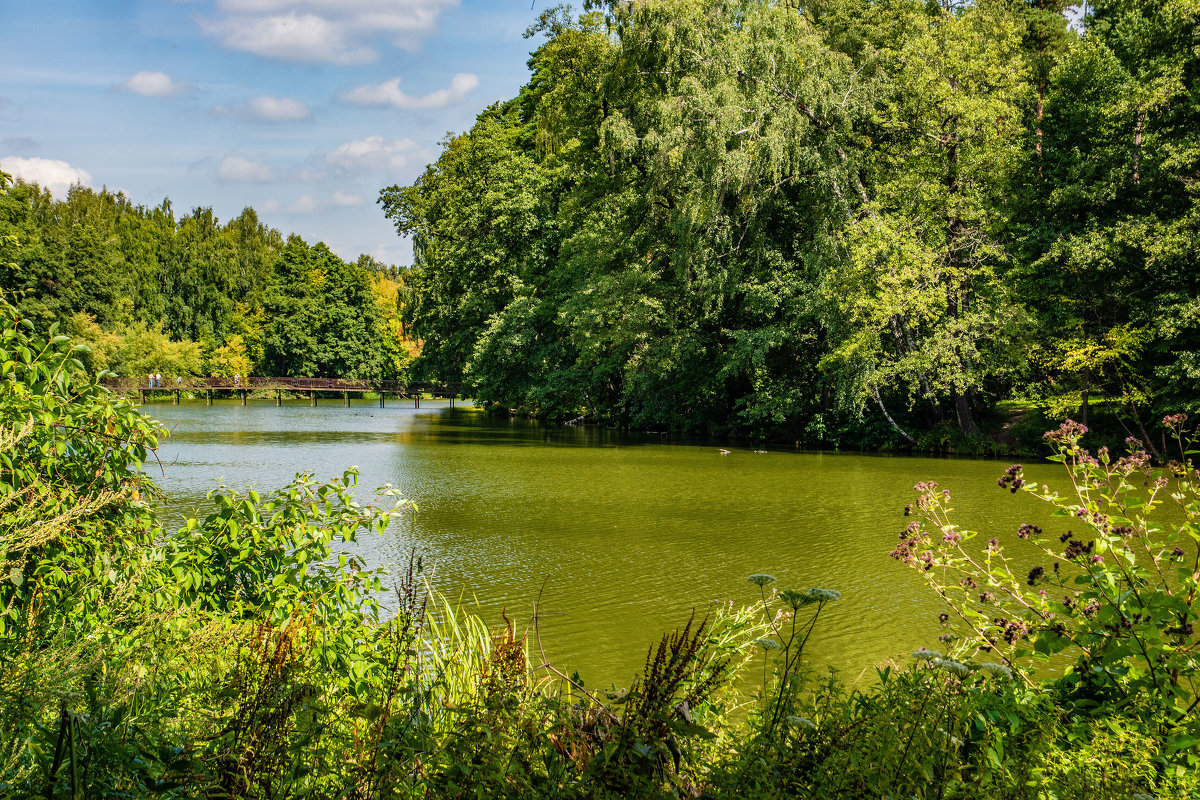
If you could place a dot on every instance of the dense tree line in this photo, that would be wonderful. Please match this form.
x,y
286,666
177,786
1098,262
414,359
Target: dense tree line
x,y
151,292
832,220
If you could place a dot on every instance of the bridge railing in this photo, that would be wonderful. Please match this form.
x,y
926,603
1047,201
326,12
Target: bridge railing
x,y
289,382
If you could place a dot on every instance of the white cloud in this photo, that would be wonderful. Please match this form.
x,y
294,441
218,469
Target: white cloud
x,y
388,94
236,168
153,84
269,206
373,153
348,199
267,109
57,176
312,31
304,204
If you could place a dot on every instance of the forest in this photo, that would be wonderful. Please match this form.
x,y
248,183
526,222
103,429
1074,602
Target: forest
x,y
837,222
147,291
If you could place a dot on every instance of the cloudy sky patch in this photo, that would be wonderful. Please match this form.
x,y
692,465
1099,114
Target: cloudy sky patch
x,y
388,93
257,113
239,169
267,109
57,176
153,84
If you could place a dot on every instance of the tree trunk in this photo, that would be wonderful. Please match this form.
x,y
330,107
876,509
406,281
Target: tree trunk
x,y
1137,147
966,420
888,417
1084,398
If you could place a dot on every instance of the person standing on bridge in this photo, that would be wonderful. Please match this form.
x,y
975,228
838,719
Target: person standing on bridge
x,y
237,379
158,380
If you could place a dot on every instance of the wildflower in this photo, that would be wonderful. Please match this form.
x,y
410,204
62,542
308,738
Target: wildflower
x,y
993,543
952,666
986,597
943,617
1076,549
1138,460
796,599
1177,552
946,637
1034,574
925,654
1012,479
969,583
1174,420
903,551
997,670
761,579
801,722
767,644
1013,629
1026,530
1069,432
1096,559
824,595
952,537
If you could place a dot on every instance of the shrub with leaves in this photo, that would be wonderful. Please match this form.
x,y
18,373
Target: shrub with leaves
x,y
1117,593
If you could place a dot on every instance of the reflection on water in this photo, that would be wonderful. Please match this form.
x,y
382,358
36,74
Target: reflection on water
x,y
627,536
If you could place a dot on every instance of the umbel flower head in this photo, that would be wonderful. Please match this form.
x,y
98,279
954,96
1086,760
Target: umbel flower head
x,y
925,654
824,595
952,666
797,721
796,599
767,644
761,579
997,670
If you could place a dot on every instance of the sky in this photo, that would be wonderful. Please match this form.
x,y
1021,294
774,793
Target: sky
x,y
302,109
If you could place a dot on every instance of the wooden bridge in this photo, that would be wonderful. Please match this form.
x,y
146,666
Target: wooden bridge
x,y
242,387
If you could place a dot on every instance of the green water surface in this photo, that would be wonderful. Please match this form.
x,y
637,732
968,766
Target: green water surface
x,y
627,535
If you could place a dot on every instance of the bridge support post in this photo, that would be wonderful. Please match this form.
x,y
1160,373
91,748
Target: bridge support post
x,y
278,397
452,401
141,397
381,396
417,400
312,399
243,397
345,399
175,398
208,397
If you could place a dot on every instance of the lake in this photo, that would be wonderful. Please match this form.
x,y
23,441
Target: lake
x,y
627,534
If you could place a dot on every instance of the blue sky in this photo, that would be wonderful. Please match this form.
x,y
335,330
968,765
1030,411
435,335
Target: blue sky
x,y
303,109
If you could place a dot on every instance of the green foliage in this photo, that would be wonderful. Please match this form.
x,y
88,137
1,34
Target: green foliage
x,y
1118,597
841,223
248,654
147,292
